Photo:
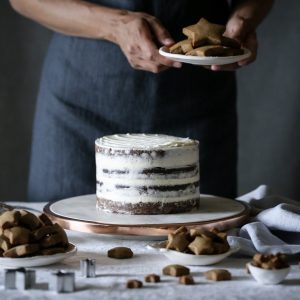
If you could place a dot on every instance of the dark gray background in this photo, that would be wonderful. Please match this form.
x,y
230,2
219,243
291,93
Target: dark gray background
x,y
269,102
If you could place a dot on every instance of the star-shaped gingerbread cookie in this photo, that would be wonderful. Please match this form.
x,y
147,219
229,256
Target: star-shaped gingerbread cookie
x,y
177,241
201,246
206,33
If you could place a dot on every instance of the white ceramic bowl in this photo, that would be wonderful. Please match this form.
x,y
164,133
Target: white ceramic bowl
x,y
191,259
264,276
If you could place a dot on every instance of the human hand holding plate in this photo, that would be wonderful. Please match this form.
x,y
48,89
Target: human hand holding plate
x,y
206,45
242,31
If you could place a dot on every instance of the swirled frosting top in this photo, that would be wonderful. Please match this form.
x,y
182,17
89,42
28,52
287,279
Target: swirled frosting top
x,y
141,141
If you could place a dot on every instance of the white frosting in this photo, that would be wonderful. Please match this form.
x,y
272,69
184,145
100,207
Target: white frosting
x,y
131,181
169,152
136,175
143,141
179,157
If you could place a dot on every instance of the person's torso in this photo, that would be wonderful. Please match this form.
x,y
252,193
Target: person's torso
x,y
95,75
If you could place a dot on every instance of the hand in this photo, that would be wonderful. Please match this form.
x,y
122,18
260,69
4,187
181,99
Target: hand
x,y
137,36
240,30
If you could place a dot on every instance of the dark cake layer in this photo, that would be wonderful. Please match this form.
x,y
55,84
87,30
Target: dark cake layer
x,y
160,188
157,170
154,189
142,208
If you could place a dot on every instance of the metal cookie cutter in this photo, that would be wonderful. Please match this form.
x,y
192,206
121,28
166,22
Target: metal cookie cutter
x,y
88,267
20,279
63,282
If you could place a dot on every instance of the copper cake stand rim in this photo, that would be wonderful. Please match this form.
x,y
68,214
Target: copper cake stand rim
x,y
145,229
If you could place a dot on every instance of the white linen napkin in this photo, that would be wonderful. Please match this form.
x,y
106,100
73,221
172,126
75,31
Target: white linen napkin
x,y
275,228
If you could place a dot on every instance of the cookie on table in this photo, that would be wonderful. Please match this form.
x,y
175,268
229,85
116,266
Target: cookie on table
x,y
176,270
120,253
152,278
218,275
186,280
134,284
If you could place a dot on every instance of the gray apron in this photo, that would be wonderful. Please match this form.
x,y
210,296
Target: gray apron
x,y
88,90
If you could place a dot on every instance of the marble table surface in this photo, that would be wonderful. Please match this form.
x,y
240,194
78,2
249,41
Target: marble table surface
x,y
112,276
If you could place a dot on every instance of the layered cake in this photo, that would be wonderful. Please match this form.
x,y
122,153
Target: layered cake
x,y
147,173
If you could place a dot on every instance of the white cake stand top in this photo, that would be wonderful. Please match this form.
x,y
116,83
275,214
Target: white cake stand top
x,y
80,214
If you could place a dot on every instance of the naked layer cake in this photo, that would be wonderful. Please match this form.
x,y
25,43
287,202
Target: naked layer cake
x,y
147,173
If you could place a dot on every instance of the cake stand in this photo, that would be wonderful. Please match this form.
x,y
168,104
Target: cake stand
x,y
80,214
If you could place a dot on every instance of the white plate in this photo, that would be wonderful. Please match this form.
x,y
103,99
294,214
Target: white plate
x,y
191,259
204,60
37,261
84,208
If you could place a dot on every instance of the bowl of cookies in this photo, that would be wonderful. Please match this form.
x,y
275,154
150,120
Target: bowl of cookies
x,y
195,247
268,268
28,240
205,44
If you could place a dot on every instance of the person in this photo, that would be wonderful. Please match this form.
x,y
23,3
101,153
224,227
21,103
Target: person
x,y
103,75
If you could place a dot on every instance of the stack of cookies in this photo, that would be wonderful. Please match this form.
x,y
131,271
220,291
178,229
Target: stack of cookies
x,y
206,39
195,241
22,234
270,261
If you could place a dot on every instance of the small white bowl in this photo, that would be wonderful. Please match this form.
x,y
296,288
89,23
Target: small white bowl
x,y
265,276
191,259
